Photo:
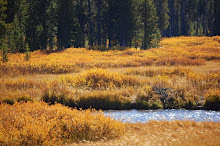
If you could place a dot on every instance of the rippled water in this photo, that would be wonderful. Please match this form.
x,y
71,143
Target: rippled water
x,y
143,116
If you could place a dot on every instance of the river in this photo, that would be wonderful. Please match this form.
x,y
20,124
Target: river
x,y
143,116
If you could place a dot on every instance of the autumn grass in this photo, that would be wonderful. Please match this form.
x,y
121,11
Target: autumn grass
x,y
152,72
175,75
183,73
173,51
99,79
156,133
175,87
39,124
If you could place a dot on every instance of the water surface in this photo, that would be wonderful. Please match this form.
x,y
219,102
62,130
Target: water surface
x,y
143,116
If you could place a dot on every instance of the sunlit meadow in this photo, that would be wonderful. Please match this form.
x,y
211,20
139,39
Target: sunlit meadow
x,y
184,72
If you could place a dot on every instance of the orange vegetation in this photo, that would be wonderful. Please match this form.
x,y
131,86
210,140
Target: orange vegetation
x,y
99,79
173,51
40,124
183,73
156,133
186,88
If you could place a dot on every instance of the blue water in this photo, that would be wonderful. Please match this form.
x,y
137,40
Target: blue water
x,y
143,116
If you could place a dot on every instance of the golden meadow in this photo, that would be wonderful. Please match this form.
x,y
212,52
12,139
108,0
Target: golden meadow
x,y
183,73
182,51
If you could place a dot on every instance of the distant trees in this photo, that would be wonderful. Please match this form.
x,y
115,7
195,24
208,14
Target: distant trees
x,y
120,22
3,16
65,18
60,24
3,30
193,17
217,17
149,18
163,14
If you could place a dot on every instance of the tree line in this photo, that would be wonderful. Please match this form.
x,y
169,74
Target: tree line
x,y
60,24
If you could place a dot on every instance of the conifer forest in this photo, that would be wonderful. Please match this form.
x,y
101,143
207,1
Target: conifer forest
x,y
43,24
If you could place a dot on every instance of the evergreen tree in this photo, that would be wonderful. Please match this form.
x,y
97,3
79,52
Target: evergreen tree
x,y
138,25
98,4
3,30
27,53
183,17
18,31
90,24
120,22
4,49
33,26
217,18
65,23
162,13
79,23
51,23
10,11
125,22
43,17
113,25
211,19
150,19
192,12
3,25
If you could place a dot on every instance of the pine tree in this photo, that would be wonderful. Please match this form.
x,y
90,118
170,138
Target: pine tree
x,y
65,23
3,30
138,25
149,18
18,31
217,18
98,4
33,26
3,25
79,23
175,21
90,24
10,11
51,23
4,48
43,18
192,22
162,13
112,22
125,22
27,52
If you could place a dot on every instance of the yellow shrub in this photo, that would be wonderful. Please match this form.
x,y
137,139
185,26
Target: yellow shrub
x,y
100,79
151,72
179,61
39,124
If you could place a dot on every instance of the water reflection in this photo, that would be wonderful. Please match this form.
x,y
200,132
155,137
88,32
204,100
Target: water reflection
x,y
143,116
